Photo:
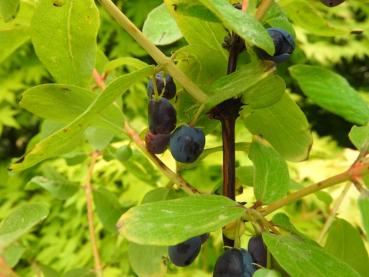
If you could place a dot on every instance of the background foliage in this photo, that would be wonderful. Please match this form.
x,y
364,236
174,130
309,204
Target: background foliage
x,y
60,245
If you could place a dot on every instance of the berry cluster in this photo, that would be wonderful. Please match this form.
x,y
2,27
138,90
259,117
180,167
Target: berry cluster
x,y
186,143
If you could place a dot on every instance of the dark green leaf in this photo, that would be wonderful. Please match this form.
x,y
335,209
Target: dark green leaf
x,y
301,258
173,221
332,92
20,221
345,243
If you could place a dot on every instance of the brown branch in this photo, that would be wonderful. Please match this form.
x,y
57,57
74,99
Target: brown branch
x,y
90,214
175,178
263,8
6,270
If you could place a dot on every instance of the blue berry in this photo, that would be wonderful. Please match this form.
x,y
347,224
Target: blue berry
x,y
332,3
162,116
167,89
258,251
157,143
284,46
187,143
234,263
183,254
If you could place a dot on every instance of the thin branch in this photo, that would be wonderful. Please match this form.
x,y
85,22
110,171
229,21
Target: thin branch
x,y
333,212
90,214
154,51
245,4
175,178
6,270
263,8
359,169
99,79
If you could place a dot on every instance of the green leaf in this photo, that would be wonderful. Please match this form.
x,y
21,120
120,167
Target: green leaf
x,y
124,61
99,138
263,272
363,203
70,53
71,136
275,17
64,103
79,272
194,9
20,221
332,92
345,243
245,175
173,221
108,208
271,177
237,83
9,9
244,24
301,258
11,40
303,14
13,253
147,260
359,136
57,185
288,132
160,27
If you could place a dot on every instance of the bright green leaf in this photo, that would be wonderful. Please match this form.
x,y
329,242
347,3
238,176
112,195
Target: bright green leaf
x,y
98,137
359,136
245,175
65,39
160,27
263,272
363,203
20,221
9,9
13,253
244,24
345,243
271,177
288,132
173,221
332,92
301,258
11,40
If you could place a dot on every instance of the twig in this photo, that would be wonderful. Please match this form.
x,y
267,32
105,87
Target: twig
x,y
154,52
333,212
90,215
175,178
359,169
99,79
245,4
6,270
263,8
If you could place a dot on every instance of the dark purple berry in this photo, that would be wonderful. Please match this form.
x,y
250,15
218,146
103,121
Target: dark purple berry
x,y
166,89
284,46
157,143
204,237
183,254
234,263
332,3
258,251
187,143
162,116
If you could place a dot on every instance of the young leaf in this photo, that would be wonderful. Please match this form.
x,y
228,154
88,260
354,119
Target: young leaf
x,y
147,260
363,203
70,53
173,221
359,136
160,27
288,132
345,243
271,177
108,208
9,9
71,136
244,24
332,92
20,221
301,258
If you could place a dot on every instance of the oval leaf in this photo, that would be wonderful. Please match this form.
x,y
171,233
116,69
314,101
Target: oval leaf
x,y
173,221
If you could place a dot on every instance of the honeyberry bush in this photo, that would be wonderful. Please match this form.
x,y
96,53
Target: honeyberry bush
x,y
84,195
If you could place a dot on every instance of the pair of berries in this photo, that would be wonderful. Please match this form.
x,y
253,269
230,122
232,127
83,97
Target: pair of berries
x,y
186,143
240,262
184,253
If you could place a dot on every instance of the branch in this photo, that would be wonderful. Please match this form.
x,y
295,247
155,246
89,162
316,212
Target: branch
x,y
90,215
358,169
175,178
263,8
154,52
6,270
